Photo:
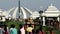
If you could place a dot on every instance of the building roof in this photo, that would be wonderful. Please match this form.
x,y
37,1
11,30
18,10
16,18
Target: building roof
x,y
52,8
35,14
51,11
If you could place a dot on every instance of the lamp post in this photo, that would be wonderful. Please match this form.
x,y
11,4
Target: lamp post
x,y
41,15
19,8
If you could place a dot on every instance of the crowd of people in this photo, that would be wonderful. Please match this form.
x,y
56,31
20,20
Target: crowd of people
x,y
22,30
28,28
12,30
5,30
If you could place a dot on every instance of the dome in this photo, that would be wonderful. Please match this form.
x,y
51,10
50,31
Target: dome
x,y
52,8
0,10
35,14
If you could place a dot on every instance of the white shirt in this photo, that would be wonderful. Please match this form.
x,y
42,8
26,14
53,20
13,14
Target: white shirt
x,y
22,30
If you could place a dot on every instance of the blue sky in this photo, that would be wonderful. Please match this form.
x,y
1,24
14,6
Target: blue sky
x,y
34,5
7,4
37,4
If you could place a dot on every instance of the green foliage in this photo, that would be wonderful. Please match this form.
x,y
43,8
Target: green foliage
x,y
37,28
47,32
15,22
45,28
54,28
56,32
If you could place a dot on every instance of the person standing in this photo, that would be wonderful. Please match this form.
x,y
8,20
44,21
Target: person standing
x,y
29,29
1,30
51,31
6,29
21,29
13,30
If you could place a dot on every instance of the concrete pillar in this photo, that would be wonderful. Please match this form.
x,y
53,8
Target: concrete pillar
x,y
58,18
43,21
